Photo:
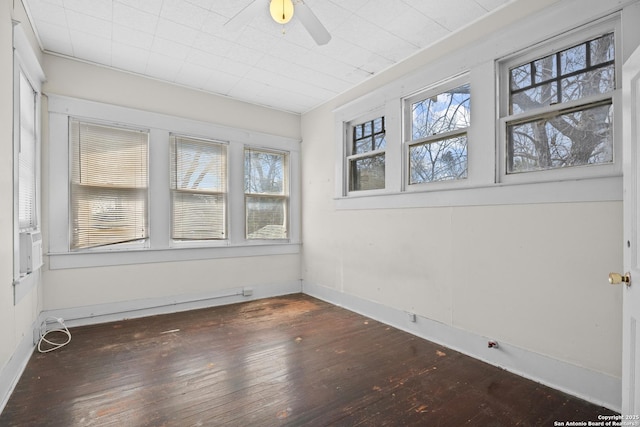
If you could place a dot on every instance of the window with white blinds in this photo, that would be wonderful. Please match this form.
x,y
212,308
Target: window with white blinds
x,y
27,164
198,189
129,186
266,190
109,184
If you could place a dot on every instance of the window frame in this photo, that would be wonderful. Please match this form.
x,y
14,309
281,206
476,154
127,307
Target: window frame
x,y
34,223
351,156
484,185
548,47
225,193
127,245
285,196
25,63
358,112
161,247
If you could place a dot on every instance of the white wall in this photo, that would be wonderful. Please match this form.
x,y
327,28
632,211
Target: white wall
x,y
6,185
16,321
544,292
66,290
532,276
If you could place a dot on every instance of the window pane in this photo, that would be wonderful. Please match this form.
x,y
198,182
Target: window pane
x,y
266,194
586,69
109,156
264,172
198,165
266,217
363,145
438,161
198,216
367,173
521,77
573,59
27,217
103,216
368,128
589,83
545,69
536,97
378,125
369,136
579,138
357,132
109,175
442,113
379,142
602,49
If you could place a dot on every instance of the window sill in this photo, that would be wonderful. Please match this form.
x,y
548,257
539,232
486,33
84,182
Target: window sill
x,y
582,190
66,260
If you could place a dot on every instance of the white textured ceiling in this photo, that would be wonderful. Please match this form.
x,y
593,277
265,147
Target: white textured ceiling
x,y
185,42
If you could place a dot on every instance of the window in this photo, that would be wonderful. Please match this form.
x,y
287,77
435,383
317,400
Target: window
x,y
27,155
546,118
560,108
437,131
181,189
109,176
266,194
198,189
27,238
366,155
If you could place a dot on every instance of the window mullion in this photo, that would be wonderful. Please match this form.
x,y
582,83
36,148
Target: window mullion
x,y
235,201
558,80
160,195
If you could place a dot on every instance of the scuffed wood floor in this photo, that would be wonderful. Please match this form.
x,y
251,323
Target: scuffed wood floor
x,y
290,360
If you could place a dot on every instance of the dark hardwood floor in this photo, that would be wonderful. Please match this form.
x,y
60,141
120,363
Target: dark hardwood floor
x,y
290,360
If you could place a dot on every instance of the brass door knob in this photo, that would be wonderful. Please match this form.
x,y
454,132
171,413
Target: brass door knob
x,y
617,278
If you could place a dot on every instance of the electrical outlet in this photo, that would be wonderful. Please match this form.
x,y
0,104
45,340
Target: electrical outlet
x,y
247,292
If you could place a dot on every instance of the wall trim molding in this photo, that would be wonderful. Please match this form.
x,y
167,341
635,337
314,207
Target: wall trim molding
x,y
595,387
122,310
10,373
88,315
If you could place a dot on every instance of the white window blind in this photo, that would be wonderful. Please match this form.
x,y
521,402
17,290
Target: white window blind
x,y
27,164
109,181
266,190
198,189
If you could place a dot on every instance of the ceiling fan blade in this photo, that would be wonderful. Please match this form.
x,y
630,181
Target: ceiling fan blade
x,y
245,15
312,23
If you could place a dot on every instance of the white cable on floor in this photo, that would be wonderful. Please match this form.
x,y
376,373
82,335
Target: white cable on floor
x,y
44,332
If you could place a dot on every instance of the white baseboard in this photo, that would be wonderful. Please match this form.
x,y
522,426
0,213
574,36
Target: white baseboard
x,y
102,313
12,371
595,387
112,312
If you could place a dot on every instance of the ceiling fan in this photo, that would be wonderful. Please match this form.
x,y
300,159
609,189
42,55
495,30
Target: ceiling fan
x,y
282,11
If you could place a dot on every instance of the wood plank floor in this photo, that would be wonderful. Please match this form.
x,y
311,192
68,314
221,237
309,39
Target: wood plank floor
x,y
290,360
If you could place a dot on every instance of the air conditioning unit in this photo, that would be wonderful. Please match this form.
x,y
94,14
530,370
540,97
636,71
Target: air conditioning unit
x,y
30,251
